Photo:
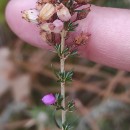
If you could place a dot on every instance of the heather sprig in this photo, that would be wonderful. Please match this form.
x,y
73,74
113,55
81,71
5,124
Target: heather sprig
x,y
55,21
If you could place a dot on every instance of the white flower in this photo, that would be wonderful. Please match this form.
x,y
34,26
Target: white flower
x,y
63,12
30,15
46,12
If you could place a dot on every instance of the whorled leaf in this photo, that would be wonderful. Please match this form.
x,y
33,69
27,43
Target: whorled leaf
x,y
71,106
64,76
67,126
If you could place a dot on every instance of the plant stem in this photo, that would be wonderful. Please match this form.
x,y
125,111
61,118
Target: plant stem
x,y
62,68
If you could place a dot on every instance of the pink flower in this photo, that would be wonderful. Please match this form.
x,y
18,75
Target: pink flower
x,y
49,99
63,12
58,26
55,27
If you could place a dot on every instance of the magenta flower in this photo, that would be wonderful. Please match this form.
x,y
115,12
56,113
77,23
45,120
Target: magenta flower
x,y
49,99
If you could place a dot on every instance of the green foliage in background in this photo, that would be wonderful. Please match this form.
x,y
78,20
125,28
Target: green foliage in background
x,y
2,10
113,3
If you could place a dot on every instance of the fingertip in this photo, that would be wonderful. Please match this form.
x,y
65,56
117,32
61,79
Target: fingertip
x,y
109,43
26,31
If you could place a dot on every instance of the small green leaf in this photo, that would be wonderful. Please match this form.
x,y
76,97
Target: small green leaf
x,y
71,105
59,99
64,76
68,76
67,126
65,51
70,4
72,26
58,104
58,49
55,120
74,53
79,10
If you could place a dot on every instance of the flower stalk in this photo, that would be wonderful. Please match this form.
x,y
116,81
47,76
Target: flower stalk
x,y
54,19
62,67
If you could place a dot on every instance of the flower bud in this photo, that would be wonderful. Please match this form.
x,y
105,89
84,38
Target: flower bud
x,y
49,99
30,15
46,12
63,12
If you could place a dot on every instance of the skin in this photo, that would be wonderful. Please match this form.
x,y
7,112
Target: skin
x,y
109,43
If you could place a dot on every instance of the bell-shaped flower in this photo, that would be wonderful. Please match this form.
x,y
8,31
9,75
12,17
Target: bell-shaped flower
x,y
30,15
63,12
49,99
55,27
58,26
46,12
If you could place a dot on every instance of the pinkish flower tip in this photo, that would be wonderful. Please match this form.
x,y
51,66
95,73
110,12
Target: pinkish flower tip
x,y
59,25
49,99
63,12
55,27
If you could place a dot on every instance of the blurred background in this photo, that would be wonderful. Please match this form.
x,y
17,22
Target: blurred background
x,y
102,94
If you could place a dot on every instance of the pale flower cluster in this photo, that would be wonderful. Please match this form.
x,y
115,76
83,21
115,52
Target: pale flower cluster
x,y
52,16
45,13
